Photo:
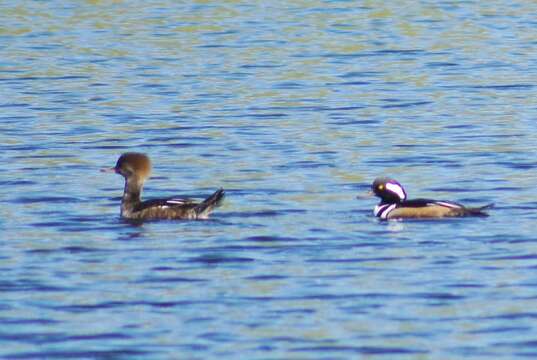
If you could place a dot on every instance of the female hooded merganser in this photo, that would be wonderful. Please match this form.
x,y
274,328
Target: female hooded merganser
x,y
394,204
135,168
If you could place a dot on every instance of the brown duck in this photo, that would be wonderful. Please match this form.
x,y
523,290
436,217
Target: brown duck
x,y
135,168
394,204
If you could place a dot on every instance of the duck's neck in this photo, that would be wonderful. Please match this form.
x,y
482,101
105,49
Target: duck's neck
x,y
131,196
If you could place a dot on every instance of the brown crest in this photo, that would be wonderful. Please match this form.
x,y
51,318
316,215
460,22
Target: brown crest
x,y
133,163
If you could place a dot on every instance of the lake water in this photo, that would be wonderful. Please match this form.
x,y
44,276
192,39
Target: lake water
x,y
294,108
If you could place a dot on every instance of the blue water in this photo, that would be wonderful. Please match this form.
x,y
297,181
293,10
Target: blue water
x,y
294,108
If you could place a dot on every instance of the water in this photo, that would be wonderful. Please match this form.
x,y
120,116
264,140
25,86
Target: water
x,y
294,108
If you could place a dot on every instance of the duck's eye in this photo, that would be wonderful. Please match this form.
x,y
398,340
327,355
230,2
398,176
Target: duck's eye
x,y
127,171
381,187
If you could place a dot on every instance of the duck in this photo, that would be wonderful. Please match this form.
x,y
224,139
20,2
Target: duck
x,y
136,168
395,205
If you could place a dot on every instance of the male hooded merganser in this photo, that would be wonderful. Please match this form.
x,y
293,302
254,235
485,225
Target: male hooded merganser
x,y
394,204
135,168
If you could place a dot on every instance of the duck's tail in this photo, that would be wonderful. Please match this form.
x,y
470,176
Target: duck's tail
x,y
478,211
204,208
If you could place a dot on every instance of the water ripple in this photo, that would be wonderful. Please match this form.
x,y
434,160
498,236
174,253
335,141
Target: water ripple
x,y
294,108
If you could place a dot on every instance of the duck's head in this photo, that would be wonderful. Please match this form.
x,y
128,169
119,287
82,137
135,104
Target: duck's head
x,y
389,190
132,165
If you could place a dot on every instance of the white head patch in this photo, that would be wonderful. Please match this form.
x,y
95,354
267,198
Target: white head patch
x,y
396,189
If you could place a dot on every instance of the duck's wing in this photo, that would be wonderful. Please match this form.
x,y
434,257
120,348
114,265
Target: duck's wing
x,y
179,208
174,202
420,212
417,203
427,208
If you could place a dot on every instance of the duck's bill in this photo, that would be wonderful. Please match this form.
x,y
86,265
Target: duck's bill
x,y
109,170
365,195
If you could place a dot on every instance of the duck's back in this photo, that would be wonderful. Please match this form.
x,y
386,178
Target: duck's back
x,y
176,208
165,209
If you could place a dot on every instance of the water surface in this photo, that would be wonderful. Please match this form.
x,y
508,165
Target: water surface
x,y
294,108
